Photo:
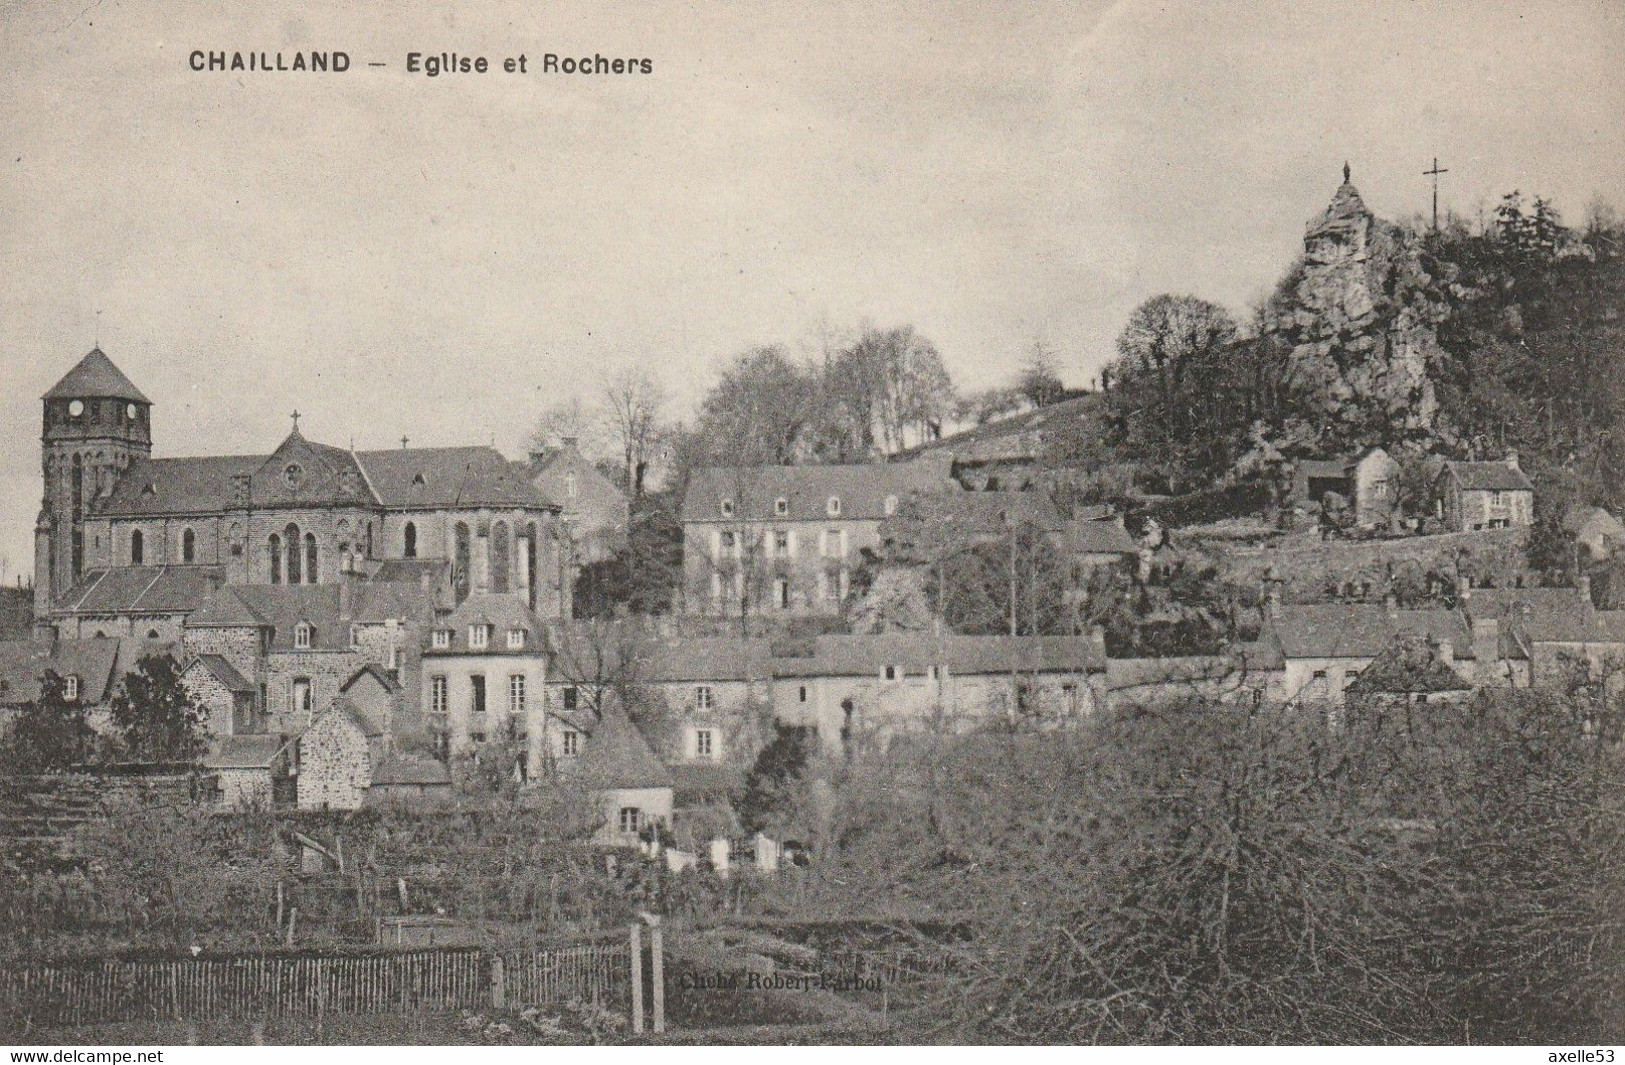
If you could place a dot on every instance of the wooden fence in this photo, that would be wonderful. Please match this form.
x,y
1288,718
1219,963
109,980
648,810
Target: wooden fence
x,y
253,985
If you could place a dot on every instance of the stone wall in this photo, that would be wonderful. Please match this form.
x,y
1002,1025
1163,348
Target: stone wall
x,y
335,764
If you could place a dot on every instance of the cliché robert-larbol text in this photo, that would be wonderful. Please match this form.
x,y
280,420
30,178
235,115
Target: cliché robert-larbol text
x,y
432,64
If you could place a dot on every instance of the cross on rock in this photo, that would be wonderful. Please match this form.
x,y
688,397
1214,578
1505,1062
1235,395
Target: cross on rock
x,y
1434,173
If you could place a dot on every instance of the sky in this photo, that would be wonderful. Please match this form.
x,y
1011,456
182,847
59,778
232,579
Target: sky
x,y
394,255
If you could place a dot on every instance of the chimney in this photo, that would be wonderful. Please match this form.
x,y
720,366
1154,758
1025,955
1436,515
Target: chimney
x,y
344,598
569,442
239,489
1272,605
1390,603
1097,639
1511,460
1447,652
1486,643
1583,586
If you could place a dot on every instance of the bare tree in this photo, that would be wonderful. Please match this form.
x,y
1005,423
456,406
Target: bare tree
x,y
635,412
572,418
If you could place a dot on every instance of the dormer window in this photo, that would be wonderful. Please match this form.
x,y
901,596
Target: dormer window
x,y
891,505
442,638
891,673
149,489
704,698
727,508
516,639
301,636
479,637
293,475
70,688
418,481
355,636
570,485
834,506
781,507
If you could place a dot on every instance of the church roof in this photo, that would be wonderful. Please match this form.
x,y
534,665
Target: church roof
x,y
436,478
95,377
176,486
141,590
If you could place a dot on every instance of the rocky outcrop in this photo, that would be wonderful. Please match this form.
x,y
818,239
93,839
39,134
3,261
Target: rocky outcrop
x,y
1360,331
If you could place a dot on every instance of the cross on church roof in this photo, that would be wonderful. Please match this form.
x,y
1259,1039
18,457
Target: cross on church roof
x,y
296,420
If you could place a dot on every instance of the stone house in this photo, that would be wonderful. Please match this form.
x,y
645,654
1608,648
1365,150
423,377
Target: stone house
x,y
1555,629
338,753
485,669
1597,533
90,671
248,770
230,700
707,698
785,539
595,511
1325,647
880,686
1469,496
629,784
418,783
1369,483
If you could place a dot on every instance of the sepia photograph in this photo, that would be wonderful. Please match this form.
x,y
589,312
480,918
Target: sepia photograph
x,y
869,523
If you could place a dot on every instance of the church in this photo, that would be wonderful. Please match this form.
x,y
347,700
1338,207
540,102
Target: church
x,y
128,544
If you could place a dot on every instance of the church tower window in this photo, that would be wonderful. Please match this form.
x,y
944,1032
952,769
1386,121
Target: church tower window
x,y
409,541
188,547
290,537
499,557
312,571
137,548
273,547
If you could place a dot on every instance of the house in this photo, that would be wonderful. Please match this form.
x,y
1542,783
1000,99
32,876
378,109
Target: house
x,y
1325,647
1596,532
338,754
1555,629
595,510
229,699
1409,670
484,671
713,692
419,783
90,672
887,684
785,539
1369,484
1469,496
248,770
632,789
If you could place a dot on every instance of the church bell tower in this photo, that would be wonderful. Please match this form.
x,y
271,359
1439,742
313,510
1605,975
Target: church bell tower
x,y
96,423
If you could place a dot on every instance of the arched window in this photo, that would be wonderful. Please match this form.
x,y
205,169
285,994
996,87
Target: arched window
x,y
273,547
290,542
462,555
188,546
152,634
409,538
531,545
137,548
78,487
500,560
312,571
301,636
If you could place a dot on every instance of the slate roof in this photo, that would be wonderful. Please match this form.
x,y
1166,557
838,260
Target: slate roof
x,y
24,662
862,490
243,752
378,673
224,672
1100,537
617,756
589,654
1408,665
1488,477
914,652
95,377
414,771
451,477
151,487
283,606
141,590
448,478
1361,630
500,611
